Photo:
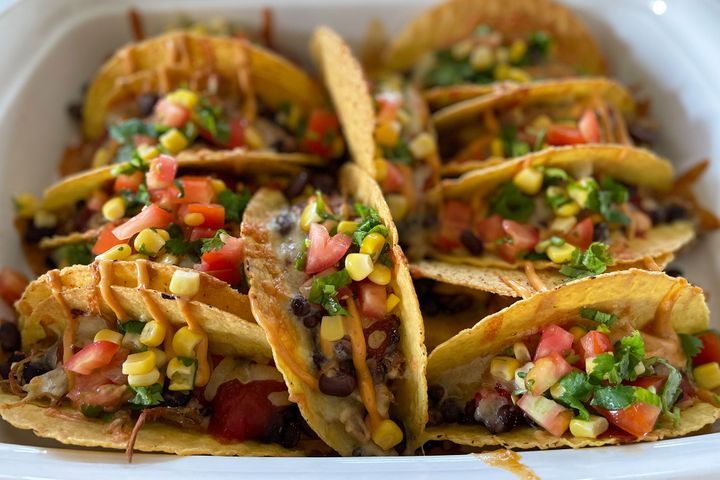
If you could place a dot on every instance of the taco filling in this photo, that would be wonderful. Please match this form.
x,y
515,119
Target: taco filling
x,y
579,223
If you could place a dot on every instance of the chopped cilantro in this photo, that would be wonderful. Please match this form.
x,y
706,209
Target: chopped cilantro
x,y
598,316
629,354
234,203
124,132
214,243
147,396
131,326
592,261
135,201
511,203
75,254
691,344
613,397
400,153
602,198
369,222
324,291
604,368
576,391
177,245
133,163
671,390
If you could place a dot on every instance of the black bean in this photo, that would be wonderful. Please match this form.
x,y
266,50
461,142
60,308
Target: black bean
x,y
601,232
436,394
146,103
290,434
343,349
674,272
300,306
337,383
323,182
285,223
9,337
297,184
674,212
657,216
470,241
32,370
468,414
167,296
450,410
34,234
318,359
175,398
313,319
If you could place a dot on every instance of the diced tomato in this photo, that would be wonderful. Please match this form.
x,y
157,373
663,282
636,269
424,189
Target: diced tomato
x,y
150,216
372,299
128,182
322,128
324,252
394,180
242,411
638,419
162,172
197,190
581,234
237,133
225,263
454,216
710,349
554,339
522,238
546,372
166,198
214,214
95,355
105,386
655,381
388,106
588,126
561,135
201,232
490,229
171,114
594,343
12,285
106,240
547,413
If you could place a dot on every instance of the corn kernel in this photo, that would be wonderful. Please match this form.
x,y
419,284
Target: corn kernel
x,y
181,375
173,140
26,204
578,332
144,379
497,148
517,51
139,363
557,391
398,205
253,138
149,242
502,72
114,209
392,302
542,121
589,428
101,158
44,219
708,376
218,185
309,216
163,233
577,192
147,152
118,252
461,49
185,283
332,328
387,434
563,224
153,334
481,58
380,275
518,75
184,98
561,254
504,368
502,55
569,209
423,145
372,244
160,357
194,219
185,341
528,180
358,266
381,169
521,352
387,134
347,227
107,335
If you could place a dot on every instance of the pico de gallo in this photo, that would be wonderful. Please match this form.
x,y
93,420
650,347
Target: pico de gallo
x,y
594,377
546,214
347,303
489,56
184,119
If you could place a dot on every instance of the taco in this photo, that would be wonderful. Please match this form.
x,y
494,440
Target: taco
x,y
577,211
387,126
166,209
470,44
116,363
516,120
595,362
340,313
181,92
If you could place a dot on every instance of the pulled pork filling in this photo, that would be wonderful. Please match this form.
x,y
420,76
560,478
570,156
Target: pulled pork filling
x,y
593,377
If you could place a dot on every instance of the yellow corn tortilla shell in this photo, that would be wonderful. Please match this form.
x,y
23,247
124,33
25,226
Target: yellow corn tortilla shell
x,y
213,293
692,419
633,295
180,57
270,293
453,20
154,436
542,91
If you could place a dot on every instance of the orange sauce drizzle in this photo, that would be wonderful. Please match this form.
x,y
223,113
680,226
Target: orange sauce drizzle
x,y
143,279
106,277
203,370
533,278
509,461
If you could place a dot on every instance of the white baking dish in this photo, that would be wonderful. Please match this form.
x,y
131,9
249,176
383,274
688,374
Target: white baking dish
x,y
49,48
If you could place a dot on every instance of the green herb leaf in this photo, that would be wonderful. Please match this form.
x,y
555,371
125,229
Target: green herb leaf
x,y
691,344
369,222
324,291
603,198
133,163
604,369
629,352
592,261
75,254
234,203
614,397
124,132
135,201
576,391
511,203
598,316
147,396
400,153
131,326
214,243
